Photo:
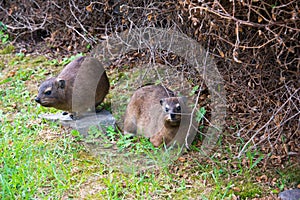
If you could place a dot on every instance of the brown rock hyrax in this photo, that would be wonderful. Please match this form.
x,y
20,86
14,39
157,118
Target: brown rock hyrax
x,y
81,86
154,112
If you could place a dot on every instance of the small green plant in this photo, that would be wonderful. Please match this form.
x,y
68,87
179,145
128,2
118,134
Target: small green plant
x,y
66,61
76,134
254,158
194,90
88,46
53,62
200,114
3,35
289,176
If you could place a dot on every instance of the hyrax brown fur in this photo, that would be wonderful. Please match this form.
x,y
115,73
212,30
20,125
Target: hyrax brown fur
x,y
81,86
154,112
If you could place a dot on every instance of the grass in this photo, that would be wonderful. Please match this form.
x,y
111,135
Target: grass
x,y
43,160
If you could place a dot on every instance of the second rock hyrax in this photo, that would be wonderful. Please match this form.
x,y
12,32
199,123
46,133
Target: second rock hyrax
x,y
154,112
81,86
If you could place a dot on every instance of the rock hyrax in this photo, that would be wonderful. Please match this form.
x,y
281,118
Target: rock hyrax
x,y
154,112
81,86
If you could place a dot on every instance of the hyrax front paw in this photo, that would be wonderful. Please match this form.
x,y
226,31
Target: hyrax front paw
x,y
156,140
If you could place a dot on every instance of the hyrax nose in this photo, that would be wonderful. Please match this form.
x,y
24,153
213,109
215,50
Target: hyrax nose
x,y
37,99
173,116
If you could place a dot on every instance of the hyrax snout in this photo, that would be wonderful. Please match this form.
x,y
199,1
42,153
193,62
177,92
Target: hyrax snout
x,y
171,106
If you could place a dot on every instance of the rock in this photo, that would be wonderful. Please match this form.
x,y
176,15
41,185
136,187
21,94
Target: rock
x,y
101,120
290,194
56,117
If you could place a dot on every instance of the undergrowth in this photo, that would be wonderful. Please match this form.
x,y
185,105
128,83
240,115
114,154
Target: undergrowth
x,y
43,160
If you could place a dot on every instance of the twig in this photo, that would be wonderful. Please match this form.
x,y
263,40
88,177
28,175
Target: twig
x,y
266,124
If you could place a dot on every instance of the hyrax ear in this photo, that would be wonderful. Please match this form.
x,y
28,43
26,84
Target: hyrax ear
x,y
61,84
161,101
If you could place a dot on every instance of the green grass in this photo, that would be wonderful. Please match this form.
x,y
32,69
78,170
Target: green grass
x,y
43,160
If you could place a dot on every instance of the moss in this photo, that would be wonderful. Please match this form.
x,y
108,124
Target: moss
x,y
7,49
2,65
39,60
16,60
192,193
289,176
249,190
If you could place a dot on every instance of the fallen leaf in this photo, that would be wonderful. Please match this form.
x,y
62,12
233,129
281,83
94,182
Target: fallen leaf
x,y
274,17
14,105
221,54
236,189
262,178
11,74
10,143
89,8
181,159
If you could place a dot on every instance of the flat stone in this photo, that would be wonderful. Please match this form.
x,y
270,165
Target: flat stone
x,y
293,194
56,117
101,120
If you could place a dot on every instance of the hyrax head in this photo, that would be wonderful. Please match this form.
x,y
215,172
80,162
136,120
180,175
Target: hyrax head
x,y
173,107
51,93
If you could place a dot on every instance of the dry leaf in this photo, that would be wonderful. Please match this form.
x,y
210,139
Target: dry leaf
x,y
181,159
274,181
236,189
11,74
14,105
233,197
195,21
149,17
259,19
235,54
262,178
10,11
259,32
10,143
273,16
221,54
89,8
282,79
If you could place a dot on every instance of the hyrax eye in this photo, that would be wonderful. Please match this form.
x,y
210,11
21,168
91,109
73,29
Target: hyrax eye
x,y
167,109
48,92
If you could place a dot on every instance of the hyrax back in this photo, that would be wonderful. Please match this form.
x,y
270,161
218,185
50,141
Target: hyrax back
x,y
154,112
80,86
